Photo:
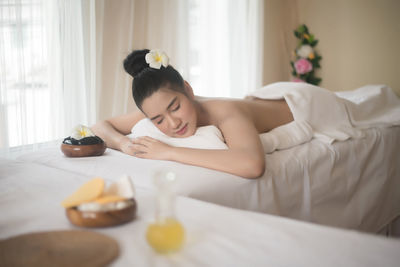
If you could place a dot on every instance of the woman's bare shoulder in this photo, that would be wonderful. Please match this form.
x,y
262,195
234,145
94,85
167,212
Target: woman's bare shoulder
x,y
219,109
217,102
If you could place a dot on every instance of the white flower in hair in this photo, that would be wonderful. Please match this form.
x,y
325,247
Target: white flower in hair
x,y
80,132
156,59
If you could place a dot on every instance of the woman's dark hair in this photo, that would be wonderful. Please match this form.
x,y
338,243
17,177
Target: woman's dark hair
x,y
148,80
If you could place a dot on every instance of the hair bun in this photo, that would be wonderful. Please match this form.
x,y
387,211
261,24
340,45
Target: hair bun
x,y
135,62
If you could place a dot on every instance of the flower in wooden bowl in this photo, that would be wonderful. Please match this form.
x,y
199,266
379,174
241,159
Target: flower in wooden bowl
x,y
83,143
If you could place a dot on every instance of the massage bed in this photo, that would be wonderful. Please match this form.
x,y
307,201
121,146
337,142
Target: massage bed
x,y
352,183
31,193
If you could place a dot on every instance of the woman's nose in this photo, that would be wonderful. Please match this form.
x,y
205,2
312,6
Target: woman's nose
x,y
174,122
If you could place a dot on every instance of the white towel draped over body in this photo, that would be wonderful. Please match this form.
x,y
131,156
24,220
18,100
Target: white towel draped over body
x,y
334,116
318,113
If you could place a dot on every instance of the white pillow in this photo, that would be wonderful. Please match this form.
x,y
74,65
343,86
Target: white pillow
x,y
210,137
206,137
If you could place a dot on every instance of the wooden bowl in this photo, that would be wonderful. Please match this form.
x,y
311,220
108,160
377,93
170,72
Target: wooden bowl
x,y
83,150
101,218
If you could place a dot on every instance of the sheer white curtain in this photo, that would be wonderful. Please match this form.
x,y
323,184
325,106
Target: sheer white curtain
x,y
225,46
44,84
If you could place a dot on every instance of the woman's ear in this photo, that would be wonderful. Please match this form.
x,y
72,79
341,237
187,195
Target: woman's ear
x,y
188,90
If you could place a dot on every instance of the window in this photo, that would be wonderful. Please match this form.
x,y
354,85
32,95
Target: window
x,y
43,89
24,90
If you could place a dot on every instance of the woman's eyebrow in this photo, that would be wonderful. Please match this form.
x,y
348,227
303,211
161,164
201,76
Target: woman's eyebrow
x,y
170,104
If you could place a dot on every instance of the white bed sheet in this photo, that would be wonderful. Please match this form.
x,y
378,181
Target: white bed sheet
x,y
30,196
353,184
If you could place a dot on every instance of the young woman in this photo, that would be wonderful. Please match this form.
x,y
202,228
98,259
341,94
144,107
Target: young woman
x,y
168,101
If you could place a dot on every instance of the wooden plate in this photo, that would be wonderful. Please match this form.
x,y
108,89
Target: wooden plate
x,y
58,248
101,218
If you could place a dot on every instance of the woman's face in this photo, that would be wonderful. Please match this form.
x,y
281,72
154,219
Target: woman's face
x,y
173,113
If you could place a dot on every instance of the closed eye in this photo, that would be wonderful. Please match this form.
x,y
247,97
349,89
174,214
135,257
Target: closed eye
x,y
177,107
160,121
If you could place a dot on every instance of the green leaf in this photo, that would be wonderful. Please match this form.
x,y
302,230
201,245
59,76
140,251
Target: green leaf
x,y
314,43
301,28
315,80
305,76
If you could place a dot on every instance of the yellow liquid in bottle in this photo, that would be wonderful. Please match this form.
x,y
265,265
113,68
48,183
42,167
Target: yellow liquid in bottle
x,y
166,236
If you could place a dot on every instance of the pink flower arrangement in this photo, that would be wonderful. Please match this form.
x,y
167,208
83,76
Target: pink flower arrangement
x,y
303,66
306,60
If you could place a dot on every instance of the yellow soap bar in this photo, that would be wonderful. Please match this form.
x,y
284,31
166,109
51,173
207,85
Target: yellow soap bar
x,y
87,192
109,199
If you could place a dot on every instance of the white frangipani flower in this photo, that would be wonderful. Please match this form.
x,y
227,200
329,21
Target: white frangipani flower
x,y
80,132
304,51
156,59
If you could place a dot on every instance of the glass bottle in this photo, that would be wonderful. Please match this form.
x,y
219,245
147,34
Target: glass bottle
x,y
166,233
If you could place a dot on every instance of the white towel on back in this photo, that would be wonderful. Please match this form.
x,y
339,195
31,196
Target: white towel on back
x,y
336,116
320,108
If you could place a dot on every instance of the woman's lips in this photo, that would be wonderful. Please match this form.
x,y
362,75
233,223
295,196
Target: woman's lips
x,y
183,130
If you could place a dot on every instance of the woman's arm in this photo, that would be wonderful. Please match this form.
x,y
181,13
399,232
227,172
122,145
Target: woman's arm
x,y
113,131
245,156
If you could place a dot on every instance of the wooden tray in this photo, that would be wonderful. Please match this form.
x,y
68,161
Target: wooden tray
x,y
58,248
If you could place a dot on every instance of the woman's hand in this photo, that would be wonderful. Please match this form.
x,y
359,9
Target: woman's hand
x,y
150,148
126,145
